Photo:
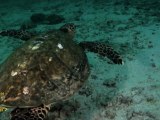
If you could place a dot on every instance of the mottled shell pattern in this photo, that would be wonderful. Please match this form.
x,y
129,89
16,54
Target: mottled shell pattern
x,y
46,69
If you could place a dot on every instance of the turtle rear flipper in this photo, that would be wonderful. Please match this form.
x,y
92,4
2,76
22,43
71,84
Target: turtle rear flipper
x,y
20,34
33,113
103,50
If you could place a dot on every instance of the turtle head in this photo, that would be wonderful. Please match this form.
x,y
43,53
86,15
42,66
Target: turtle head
x,y
68,28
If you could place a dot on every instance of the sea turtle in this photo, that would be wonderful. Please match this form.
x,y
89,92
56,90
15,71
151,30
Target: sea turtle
x,y
46,69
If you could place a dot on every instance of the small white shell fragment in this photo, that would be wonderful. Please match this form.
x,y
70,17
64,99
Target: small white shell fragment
x,y
60,46
13,73
22,65
50,59
36,47
25,90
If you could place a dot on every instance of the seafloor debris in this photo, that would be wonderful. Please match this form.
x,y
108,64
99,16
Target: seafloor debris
x,y
86,90
139,115
41,18
120,100
109,83
64,109
27,25
38,18
54,19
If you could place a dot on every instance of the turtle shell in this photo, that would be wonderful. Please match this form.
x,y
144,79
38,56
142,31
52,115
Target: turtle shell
x,y
46,69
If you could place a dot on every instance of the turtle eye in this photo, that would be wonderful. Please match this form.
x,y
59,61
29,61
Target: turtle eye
x,y
69,27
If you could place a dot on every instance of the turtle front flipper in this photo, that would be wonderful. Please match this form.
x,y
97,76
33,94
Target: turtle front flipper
x,y
102,49
33,113
20,34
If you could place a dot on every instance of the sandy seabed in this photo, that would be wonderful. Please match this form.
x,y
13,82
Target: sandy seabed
x,y
112,92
